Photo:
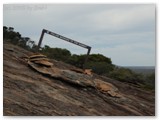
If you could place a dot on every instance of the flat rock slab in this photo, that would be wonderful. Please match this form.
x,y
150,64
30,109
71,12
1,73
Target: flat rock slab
x,y
80,79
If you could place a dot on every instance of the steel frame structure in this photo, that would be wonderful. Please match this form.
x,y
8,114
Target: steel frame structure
x,y
65,39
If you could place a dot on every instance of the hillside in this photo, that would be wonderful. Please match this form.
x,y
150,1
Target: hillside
x,y
142,69
66,91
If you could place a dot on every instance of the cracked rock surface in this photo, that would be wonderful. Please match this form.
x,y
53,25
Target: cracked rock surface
x,y
62,91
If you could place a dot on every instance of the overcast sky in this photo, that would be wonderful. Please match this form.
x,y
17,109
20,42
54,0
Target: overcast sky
x,y
124,33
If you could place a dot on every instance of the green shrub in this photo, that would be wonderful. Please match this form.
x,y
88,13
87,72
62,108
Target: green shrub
x,y
126,75
149,82
99,67
56,53
97,62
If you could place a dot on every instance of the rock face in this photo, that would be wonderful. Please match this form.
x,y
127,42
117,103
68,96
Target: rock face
x,y
71,76
35,85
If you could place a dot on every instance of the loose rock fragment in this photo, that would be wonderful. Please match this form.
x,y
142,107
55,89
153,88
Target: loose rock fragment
x,y
106,87
37,56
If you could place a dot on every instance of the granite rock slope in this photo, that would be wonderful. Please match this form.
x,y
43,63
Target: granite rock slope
x,y
64,91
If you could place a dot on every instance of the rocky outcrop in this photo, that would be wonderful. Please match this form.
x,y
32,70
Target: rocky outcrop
x,y
39,86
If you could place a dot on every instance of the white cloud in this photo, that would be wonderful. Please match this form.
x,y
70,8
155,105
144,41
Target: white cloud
x,y
113,30
124,19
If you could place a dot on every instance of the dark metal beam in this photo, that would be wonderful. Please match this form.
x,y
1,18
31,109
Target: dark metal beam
x,y
40,40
